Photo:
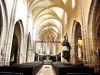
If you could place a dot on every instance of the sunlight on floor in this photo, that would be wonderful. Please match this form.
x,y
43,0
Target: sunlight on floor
x,y
46,70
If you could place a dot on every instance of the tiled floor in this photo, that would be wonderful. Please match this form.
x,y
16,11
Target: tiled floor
x,y
46,70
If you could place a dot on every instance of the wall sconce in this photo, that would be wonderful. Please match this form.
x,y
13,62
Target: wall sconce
x,y
80,42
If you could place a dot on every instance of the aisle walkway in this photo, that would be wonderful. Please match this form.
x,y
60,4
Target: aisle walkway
x,y
46,70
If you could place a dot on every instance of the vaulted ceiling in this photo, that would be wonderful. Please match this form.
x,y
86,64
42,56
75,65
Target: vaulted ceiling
x,y
50,17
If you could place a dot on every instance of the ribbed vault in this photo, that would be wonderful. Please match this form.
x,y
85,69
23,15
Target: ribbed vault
x,y
49,18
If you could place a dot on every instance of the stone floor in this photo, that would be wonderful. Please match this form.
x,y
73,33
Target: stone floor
x,y
46,70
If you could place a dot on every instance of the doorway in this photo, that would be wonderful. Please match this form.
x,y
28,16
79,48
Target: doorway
x,y
14,51
77,39
16,45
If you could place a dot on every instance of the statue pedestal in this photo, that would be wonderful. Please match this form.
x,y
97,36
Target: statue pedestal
x,y
64,61
47,62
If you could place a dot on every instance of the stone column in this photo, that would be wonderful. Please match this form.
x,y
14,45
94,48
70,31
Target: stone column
x,y
38,57
84,34
10,34
72,52
53,49
91,35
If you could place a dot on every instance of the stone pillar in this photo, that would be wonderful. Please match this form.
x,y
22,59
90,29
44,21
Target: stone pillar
x,y
10,34
91,35
84,34
38,57
72,53
3,34
53,49
93,53
33,56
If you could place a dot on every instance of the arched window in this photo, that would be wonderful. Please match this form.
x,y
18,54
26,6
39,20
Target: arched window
x,y
73,4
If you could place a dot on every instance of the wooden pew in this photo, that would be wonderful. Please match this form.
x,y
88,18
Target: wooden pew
x,y
63,69
25,69
10,73
83,73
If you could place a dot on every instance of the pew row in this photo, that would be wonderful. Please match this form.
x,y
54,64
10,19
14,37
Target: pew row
x,y
63,69
83,73
25,69
10,73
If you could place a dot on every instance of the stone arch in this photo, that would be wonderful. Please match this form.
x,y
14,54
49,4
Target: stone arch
x,y
3,22
3,28
29,45
18,35
98,47
0,23
92,27
97,41
76,35
14,59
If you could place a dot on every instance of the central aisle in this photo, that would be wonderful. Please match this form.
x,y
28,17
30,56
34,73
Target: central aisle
x,y
46,70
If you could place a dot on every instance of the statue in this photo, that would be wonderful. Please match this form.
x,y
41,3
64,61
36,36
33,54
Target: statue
x,y
66,48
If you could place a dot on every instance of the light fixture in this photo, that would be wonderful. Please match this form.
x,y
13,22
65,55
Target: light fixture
x,y
80,42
